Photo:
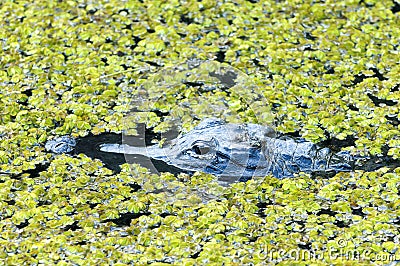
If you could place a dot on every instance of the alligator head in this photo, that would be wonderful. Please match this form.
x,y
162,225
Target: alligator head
x,y
229,151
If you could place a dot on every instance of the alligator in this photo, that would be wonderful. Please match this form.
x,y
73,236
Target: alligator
x,y
241,151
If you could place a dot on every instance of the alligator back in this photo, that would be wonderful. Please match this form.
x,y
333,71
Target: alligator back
x,y
288,156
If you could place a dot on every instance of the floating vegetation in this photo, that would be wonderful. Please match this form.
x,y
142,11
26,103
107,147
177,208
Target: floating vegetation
x,y
329,72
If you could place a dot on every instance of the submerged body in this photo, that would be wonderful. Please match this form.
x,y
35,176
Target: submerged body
x,y
240,152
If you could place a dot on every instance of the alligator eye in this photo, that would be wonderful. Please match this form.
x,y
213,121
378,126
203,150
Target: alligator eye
x,y
200,149
203,149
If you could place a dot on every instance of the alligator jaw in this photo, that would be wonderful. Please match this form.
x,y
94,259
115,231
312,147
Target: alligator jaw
x,y
121,148
150,151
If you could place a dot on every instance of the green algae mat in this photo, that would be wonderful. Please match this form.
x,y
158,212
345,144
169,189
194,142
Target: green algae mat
x,y
328,71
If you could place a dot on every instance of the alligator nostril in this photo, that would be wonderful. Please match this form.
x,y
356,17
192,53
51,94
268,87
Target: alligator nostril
x,y
58,145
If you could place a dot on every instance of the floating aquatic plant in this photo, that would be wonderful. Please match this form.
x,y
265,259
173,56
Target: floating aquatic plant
x,y
327,71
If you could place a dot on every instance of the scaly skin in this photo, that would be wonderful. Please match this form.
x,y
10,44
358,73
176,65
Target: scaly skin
x,y
289,156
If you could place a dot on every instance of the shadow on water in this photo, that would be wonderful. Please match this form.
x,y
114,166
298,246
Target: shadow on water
x,y
89,146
